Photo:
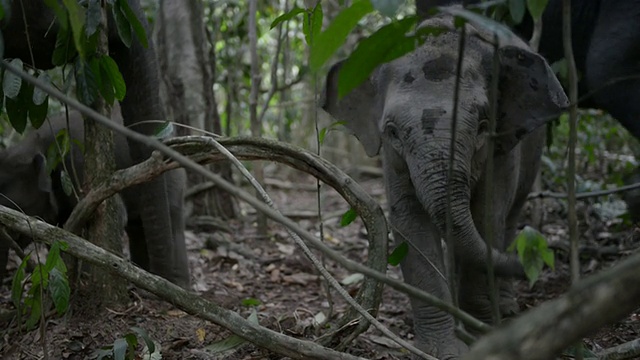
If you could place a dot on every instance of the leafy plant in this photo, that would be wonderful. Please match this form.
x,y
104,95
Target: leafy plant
x,y
533,252
124,348
48,282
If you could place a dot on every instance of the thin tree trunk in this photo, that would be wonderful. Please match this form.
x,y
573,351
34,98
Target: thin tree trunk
x,y
188,87
256,126
106,226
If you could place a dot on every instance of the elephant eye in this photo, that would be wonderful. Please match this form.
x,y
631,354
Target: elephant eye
x,y
391,129
483,126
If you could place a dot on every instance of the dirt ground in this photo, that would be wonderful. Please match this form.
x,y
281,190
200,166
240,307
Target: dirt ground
x,y
233,265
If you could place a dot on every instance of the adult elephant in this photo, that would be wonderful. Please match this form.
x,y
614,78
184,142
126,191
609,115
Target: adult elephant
x,y
606,47
34,44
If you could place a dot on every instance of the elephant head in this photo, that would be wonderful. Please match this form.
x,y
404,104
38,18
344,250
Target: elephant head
x,y
406,107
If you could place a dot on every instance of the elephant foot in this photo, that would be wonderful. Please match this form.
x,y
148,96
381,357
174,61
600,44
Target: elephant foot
x,y
447,347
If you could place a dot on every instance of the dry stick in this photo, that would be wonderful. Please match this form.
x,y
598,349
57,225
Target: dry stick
x,y
318,265
628,350
584,195
190,164
573,136
187,301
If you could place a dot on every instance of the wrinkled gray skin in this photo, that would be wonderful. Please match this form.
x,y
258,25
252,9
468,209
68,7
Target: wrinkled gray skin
x,y
139,69
404,112
25,182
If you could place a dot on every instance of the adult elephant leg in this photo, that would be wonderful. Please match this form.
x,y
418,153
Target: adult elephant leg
x,y
142,102
434,329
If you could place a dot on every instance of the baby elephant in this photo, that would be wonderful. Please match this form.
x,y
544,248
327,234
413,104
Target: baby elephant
x,y
26,185
404,111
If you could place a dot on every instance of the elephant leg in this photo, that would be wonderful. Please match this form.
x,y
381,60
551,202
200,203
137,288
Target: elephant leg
x,y
434,329
137,243
176,183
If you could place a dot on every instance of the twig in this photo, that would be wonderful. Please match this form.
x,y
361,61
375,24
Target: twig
x,y
583,195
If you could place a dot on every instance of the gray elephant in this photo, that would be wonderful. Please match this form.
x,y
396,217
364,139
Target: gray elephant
x,y
34,44
404,111
27,185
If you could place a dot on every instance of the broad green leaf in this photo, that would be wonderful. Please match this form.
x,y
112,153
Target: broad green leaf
x,y
40,96
517,8
388,43
18,108
64,50
59,290
39,277
67,184
251,302
120,347
398,254
108,66
163,131
480,21
123,26
322,134
287,16
16,283
387,7
76,19
132,340
86,86
94,16
533,252
11,83
38,113
61,14
327,42
135,23
145,337
348,217
536,7
54,258
36,311
312,24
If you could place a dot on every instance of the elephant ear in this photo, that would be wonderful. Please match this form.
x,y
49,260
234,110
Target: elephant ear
x,y
530,95
360,109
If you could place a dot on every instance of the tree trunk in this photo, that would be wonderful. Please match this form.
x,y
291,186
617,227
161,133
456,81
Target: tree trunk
x,y
105,228
187,87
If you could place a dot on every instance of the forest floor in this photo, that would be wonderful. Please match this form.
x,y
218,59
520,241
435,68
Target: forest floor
x,y
232,265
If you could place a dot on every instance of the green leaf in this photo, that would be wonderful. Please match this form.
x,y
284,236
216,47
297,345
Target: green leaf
x,y
36,311
17,109
131,339
94,16
533,252
348,217
67,184
39,277
517,9
11,83
163,131
312,24
287,16
327,42
134,22
123,26
398,254
120,347
40,96
63,51
480,21
59,290
61,14
109,67
536,7
76,19
251,302
388,43
387,7
86,86
38,114
145,337
16,284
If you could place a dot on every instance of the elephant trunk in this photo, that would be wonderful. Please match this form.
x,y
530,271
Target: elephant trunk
x,y
430,176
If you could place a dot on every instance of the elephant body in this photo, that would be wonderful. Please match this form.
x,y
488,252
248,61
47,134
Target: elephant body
x,y
606,48
404,112
27,185
139,69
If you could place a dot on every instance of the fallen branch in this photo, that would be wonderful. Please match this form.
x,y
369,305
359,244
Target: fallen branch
x,y
583,195
187,301
628,350
544,331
